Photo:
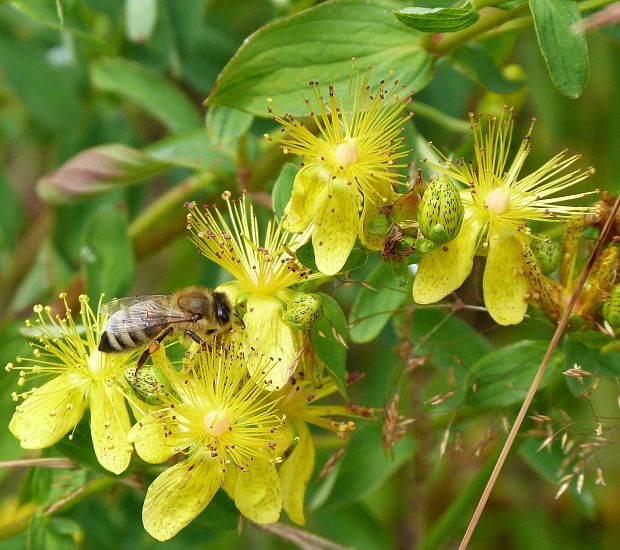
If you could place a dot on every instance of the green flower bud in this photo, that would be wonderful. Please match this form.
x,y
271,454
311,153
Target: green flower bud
x,y
302,310
378,225
548,253
611,308
98,170
440,213
149,383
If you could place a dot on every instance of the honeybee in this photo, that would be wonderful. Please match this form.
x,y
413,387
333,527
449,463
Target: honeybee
x,y
147,320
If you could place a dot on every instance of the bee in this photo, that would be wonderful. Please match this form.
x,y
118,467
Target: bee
x,y
147,320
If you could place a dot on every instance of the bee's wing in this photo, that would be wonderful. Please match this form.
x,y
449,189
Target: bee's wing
x,y
118,304
142,312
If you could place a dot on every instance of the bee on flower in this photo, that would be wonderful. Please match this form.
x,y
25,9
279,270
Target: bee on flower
x,y
264,268
350,165
230,431
77,377
499,202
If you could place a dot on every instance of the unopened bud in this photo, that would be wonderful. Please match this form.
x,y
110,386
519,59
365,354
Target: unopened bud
x,y
302,310
440,213
548,253
611,308
98,170
149,383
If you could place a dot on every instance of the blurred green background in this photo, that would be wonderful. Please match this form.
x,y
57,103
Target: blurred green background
x,y
80,74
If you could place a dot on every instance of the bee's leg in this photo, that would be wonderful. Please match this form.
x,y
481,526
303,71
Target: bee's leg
x,y
195,337
240,319
153,347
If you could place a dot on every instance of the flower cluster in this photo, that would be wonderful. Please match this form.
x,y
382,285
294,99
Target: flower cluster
x,y
235,413
499,203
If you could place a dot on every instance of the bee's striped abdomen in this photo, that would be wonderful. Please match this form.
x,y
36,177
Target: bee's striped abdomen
x,y
125,340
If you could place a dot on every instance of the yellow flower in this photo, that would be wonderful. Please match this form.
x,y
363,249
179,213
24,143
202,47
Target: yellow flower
x,y
264,269
298,403
499,203
82,377
227,426
348,166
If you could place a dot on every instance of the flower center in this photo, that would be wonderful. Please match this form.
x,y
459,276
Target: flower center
x,y
498,200
347,152
216,423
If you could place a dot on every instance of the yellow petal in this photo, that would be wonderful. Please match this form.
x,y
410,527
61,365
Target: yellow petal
x,y
109,424
337,225
444,269
504,284
147,435
276,342
178,495
258,494
50,412
230,481
309,190
372,206
295,474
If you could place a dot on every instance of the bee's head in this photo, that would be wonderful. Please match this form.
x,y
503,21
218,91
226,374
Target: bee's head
x,y
206,305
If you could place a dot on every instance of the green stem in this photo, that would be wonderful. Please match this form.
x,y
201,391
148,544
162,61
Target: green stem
x,y
169,202
489,19
436,115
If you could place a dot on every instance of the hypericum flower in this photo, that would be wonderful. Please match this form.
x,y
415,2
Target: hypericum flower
x,y
82,377
228,427
498,205
297,401
264,269
348,166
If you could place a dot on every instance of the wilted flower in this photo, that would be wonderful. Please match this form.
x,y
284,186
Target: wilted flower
x,y
82,377
348,166
498,205
230,431
264,269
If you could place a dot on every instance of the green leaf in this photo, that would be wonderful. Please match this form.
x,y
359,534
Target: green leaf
x,y
26,70
281,58
438,19
107,255
474,61
149,90
366,466
140,18
562,43
375,304
503,377
447,337
98,170
226,125
547,463
48,14
11,215
283,188
329,337
194,150
510,4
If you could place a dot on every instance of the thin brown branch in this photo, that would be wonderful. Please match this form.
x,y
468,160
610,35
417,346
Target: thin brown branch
x,y
303,539
61,463
536,382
